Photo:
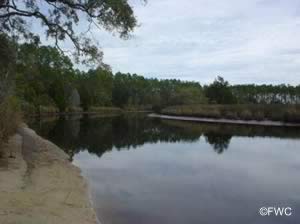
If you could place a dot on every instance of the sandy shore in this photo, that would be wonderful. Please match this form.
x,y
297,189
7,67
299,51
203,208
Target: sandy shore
x,y
226,121
38,185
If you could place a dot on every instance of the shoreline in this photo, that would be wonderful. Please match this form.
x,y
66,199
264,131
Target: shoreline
x,y
226,121
50,114
40,185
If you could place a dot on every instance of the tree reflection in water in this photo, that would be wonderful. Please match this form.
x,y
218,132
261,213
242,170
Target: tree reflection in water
x,y
101,134
219,142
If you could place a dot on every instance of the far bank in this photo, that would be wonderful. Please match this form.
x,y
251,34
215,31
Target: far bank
x,y
246,113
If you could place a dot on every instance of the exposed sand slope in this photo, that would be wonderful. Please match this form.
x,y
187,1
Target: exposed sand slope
x,y
40,185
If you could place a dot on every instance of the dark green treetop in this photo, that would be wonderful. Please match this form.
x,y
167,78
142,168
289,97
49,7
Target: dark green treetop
x,y
60,17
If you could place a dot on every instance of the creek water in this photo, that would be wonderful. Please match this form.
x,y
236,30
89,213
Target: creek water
x,y
146,170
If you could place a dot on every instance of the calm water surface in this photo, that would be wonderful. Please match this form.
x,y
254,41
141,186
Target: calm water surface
x,y
146,171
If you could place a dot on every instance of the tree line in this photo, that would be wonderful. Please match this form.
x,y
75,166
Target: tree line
x,y
61,21
47,77
221,92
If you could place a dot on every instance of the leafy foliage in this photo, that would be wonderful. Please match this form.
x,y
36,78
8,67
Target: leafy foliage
x,y
46,77
267,94
59,18
220,92
7,65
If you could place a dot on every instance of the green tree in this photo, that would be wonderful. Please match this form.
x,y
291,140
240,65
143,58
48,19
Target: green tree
x,y
95,88
121,89
220,92
44,76
7,66
60,17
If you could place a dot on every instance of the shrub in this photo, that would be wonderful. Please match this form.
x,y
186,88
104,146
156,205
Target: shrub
x,y
292,115
10,118
213,113
259,115
231,115
245,115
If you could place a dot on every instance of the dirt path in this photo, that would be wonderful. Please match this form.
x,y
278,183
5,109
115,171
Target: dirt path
x,y
38,185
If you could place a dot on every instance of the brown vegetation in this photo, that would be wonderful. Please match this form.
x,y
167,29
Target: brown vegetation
x,y
288,113
139,108
10,118
74,109
105,110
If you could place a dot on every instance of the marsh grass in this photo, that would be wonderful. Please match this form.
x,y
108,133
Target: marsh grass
x,y
287,113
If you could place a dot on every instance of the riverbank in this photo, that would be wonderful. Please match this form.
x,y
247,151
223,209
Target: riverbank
x,y
101,112
244,112
40,185
226,121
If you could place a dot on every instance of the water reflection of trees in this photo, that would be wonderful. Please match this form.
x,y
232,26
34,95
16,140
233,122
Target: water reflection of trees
x,y
219,142
99,135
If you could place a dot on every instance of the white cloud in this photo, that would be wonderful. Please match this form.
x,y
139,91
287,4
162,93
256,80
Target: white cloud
x,y
245,41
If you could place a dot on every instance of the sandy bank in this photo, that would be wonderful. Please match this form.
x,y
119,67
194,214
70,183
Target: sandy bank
x,y
39,185
226,121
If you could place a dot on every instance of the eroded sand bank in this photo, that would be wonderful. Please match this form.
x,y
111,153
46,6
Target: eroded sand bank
x,y
38,185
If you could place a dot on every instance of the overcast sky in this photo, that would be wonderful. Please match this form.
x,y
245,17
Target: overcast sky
x,y
246,41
